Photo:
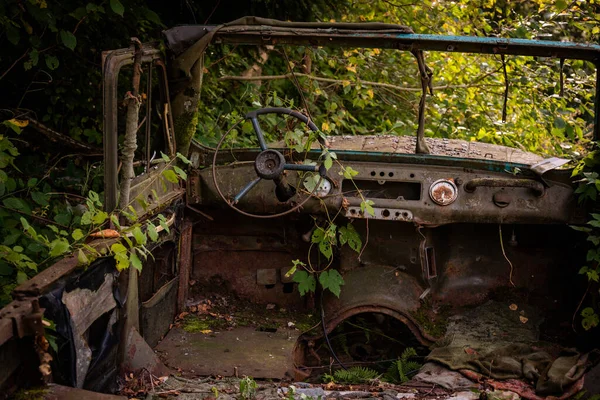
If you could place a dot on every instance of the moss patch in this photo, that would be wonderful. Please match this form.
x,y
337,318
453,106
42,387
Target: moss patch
x,y
193,323
31,394
433,323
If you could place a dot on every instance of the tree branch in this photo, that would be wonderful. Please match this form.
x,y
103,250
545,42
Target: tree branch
x,y
340,81
58,137
131,127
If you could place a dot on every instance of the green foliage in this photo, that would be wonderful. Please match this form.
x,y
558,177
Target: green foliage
x,y
248,388
349,235
589,318
29,246
371,91
355,375
587,192
400,370
306,282
331,280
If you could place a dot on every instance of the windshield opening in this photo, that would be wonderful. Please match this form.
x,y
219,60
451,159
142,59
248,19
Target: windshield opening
x,y
512,108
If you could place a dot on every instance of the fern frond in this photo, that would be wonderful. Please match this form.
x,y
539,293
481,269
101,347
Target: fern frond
x,y
401,370
355,375
408,353
411,366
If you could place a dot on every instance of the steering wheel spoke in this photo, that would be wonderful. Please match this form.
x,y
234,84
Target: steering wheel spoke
x,y
246,189
301,167
261,138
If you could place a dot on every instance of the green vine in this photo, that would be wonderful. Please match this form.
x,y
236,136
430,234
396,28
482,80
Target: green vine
x,y
326,236
587,191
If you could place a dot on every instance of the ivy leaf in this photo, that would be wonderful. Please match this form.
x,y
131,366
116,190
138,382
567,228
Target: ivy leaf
x,y
590,318
139,236
117,248
135,261
183,158
40,198
349,172
86,218
51,62
152,233
115,220
163,223
13,202
82,259
328,163
58,247
349,235
68,39
367,207
326,249
122,261
170,175
306,282
120,255
181,173
100,217
117,7
77,234
165,157
318,235
331,280
21,277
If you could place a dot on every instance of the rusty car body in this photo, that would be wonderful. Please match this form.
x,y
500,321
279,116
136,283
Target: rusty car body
x,y
433,241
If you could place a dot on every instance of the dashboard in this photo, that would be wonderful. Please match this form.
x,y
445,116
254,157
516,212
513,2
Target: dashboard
x,y
426,195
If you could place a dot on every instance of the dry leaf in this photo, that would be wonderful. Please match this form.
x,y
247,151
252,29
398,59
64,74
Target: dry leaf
x,y
106,233
523,319
45,369
513,307
206,331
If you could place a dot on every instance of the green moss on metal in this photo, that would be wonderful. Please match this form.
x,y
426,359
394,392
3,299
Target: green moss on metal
x,y
185,129
433,323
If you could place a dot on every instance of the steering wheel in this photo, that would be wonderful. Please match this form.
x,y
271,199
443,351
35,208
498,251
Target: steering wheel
x,y
270,164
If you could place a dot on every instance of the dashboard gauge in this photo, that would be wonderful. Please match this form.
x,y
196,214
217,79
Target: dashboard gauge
x,y
443,192
323,189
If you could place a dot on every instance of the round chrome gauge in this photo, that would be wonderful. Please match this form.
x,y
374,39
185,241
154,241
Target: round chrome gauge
x,y
443,192
323,189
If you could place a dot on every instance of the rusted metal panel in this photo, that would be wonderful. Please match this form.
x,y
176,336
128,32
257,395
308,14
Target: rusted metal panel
x,y
139,355
239,243
16,312
266,276
476,206
185,263
264,35
10,360
6,330
388,291
157,314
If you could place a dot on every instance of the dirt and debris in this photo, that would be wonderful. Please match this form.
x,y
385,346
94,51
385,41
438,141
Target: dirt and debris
x,y
179,388
208,310
247,339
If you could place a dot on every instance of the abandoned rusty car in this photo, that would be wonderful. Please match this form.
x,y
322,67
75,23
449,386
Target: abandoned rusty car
x,y
427,230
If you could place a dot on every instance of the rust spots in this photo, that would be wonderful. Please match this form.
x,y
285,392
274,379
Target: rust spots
x,y
443,192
